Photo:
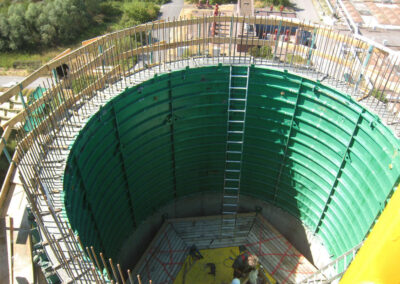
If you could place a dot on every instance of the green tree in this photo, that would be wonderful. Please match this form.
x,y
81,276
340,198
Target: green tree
x,y
111,10
31,18
88,7
4,30
263,52
138,12
19,34
266,52
66,18
48,34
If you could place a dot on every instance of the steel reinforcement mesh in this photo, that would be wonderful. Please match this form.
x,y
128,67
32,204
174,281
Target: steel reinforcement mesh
x,y
308,149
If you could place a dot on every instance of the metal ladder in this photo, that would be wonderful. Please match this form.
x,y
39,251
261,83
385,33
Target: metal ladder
x,y
236,122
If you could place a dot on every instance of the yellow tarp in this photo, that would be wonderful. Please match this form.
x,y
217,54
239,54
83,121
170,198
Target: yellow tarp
x,y
377,261
197,271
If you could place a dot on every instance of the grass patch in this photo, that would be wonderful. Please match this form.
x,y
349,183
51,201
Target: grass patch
x,y
29,61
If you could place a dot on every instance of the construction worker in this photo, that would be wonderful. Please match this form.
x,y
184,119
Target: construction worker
x,y
245,265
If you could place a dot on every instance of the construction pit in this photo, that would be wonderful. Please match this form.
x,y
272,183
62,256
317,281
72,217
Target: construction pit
x,y
171,140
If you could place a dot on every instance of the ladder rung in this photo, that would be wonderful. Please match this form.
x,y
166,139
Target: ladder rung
x,y
236,121
234,152
239,76
229,212
232,171
232,179
231,196
232,188
231,161
234,142
227,230
236,110
228,227
238,88
239,100
231,205
236,131
230,219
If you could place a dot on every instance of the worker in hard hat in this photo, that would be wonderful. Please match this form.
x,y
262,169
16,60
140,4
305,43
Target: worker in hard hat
x,y
235,281
245,266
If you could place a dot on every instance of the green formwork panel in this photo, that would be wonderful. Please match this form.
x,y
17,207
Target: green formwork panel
x,y
308,149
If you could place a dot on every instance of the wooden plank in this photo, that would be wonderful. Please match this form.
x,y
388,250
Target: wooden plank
x,y
68,50
24,83
86,42
5,189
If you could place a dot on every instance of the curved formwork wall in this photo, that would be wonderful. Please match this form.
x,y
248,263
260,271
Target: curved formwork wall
x,y
308,149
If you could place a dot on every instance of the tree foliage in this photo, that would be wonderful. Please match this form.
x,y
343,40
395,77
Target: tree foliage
x,y
138,12
38,24
29,25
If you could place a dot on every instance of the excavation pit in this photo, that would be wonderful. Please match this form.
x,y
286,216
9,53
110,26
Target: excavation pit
x,y
308,149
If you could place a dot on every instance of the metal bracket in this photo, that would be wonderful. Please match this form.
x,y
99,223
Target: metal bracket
x,y
120,149
345,159
294,125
